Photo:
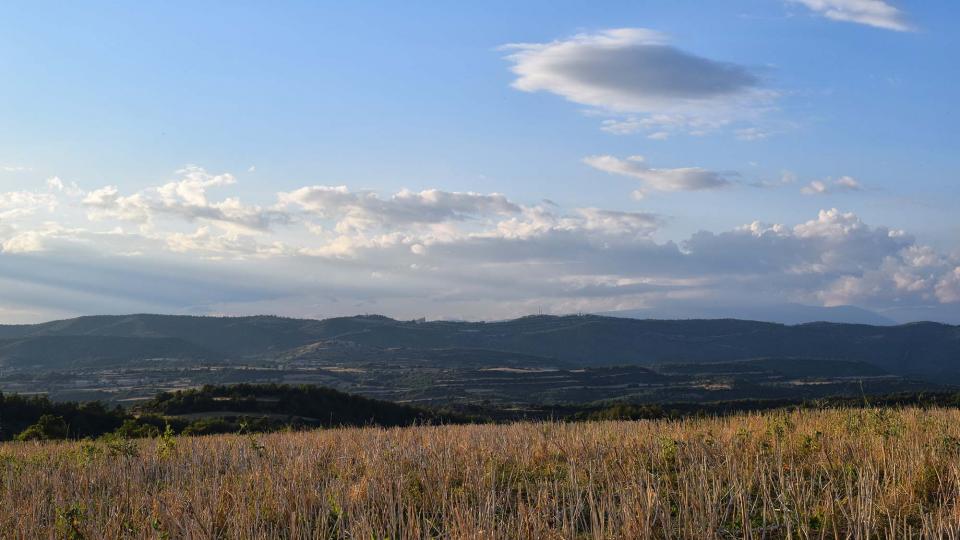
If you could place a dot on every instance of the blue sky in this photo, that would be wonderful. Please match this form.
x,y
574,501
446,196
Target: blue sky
x,y
513,126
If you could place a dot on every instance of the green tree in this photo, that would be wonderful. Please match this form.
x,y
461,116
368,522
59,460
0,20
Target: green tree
x,y
47,427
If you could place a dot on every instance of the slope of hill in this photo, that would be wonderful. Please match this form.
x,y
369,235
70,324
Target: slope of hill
x,y
233,336
85,351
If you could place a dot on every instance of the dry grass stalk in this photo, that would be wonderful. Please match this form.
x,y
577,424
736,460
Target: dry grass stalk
x,y
852,474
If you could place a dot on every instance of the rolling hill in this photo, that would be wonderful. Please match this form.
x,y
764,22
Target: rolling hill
x,y
927,350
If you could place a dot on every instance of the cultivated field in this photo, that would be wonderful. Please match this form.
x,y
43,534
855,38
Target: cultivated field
x,y
874,473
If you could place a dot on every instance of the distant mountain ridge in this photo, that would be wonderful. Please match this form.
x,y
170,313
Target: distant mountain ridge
x,y
789,313
927,350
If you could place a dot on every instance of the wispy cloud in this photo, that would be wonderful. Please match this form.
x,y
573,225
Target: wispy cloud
x,y
844,184
876,13
678,179
364,210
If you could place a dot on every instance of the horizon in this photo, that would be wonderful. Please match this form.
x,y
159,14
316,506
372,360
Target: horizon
x,y
479,162
611,315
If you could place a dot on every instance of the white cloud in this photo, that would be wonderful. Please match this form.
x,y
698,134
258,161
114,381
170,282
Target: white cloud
x,y
43,237
24,242
847,183
183,198
213,244
833,259
364,210
537,221
57,185
625,70
876,13
948,287
816,187
646,83
679,179
843,184
618,222
16,204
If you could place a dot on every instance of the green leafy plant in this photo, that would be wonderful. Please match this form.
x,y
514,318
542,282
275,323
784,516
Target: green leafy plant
x,y
166,443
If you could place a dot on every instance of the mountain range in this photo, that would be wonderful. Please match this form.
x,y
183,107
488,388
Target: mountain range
x,y
929,351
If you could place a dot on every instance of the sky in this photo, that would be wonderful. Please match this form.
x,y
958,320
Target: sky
x,y
478,160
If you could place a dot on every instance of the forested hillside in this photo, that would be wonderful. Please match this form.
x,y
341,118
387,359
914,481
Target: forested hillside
x,y
925,350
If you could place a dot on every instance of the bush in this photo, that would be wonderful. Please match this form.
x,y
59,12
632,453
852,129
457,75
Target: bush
x,y
134,429
48,427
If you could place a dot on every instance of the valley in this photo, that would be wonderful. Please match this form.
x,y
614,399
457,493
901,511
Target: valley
x,y
540,360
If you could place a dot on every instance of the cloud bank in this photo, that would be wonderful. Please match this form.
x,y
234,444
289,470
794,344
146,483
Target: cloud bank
x,y
180,247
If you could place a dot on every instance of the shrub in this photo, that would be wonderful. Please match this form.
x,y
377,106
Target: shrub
x,y
48,427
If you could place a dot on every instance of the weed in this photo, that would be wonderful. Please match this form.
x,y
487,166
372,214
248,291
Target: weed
x,y
166,443
70,522
118,446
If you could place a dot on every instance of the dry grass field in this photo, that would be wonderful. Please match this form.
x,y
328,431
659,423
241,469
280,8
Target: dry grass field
x,y
873,473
